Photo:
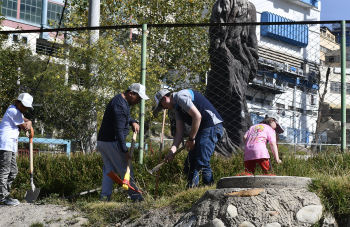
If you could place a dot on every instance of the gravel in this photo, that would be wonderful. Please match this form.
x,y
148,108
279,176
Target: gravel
x,y
26,214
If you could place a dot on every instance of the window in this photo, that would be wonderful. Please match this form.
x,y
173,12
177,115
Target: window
x,y
279,83
258,100
267,103
258,79
77,76
324,49
46,47
54,12
347,88
263,101
290,85
4,37
15,38
300,110
331,59
31,11
9,8
249,98
24,40
280,106
335,87
269,82
300,88
313,100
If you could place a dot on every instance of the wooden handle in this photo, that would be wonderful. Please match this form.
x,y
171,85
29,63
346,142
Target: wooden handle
x,y
162,163
127,173
31,150
131,152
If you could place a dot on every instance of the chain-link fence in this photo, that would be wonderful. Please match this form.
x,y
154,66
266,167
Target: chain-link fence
x,y
244,70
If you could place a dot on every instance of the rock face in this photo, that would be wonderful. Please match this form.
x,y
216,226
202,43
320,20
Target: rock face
x,y
233,57
271,207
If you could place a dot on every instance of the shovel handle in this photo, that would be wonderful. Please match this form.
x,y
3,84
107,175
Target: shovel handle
x,y
31,151
162,163
127,173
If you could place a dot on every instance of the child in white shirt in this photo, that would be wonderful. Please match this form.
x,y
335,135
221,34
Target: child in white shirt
x,y
12,122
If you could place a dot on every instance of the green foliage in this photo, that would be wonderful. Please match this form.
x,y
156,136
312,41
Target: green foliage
x,y
37,224
12,58
59,174
181,51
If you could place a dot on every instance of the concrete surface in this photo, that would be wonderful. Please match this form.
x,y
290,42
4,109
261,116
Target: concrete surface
x,y
260,181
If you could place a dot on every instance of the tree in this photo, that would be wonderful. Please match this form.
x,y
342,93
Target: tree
x,y
68,91
181,51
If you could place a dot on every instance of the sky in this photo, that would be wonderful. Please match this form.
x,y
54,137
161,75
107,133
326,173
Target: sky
x,y
335,10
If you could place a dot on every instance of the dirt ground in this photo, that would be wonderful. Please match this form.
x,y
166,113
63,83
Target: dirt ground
x,y
162,217
26,214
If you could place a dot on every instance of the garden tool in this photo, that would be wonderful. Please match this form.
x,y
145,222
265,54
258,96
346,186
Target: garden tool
x,y
160,148
83,193
126,182
119,181
31,194
162,163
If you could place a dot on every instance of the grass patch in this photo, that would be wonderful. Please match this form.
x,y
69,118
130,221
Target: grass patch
x,y
37,224
330,172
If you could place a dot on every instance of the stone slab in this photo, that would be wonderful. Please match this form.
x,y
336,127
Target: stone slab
x,y
263,182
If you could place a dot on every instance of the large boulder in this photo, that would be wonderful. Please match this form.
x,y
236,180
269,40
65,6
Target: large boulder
x,y
271,205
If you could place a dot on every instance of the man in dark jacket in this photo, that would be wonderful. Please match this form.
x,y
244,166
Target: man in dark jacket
x,y
112,135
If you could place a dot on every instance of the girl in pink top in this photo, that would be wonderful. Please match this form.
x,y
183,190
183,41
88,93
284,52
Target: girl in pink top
x,y
255,141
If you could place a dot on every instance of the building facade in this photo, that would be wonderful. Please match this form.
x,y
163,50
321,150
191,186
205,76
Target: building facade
x,y
337,32
28,15
328,43
289,56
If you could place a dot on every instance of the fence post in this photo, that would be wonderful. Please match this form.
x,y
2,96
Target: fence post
x,y
143,82
343,86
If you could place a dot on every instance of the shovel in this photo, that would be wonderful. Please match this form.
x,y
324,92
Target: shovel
x,y
126,181
162,163
31,194
119,181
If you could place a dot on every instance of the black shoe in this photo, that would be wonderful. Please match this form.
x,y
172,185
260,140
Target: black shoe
x,y
105,199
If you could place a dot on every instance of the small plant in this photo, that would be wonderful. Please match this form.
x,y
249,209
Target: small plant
x,y
37,224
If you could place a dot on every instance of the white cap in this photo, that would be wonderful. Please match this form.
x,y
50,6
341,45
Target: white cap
x,y
275,116
26,99
160,94
139,89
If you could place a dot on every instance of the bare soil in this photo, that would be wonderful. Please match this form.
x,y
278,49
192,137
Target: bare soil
x,y
27,214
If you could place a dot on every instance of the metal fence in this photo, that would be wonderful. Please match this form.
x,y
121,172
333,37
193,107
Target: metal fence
x,y
244,69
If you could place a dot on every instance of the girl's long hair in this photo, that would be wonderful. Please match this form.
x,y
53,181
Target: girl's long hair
x,y
267,121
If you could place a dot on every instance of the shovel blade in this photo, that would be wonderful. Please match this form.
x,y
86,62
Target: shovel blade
x,y
32,195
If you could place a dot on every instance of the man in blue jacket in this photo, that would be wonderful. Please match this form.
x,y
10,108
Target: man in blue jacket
x,y
206,129
112,135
